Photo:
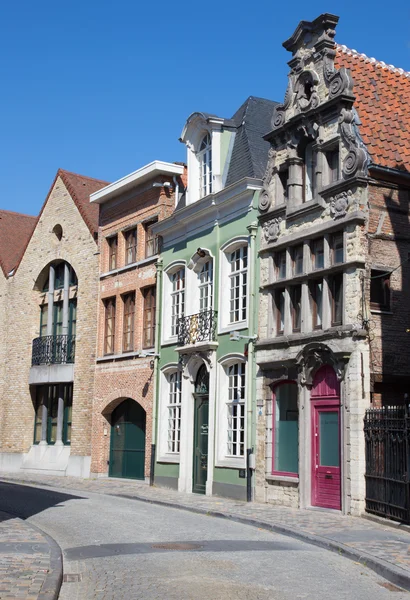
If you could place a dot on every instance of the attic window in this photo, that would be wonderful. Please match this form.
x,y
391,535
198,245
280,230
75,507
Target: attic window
x,y
58,232
205,166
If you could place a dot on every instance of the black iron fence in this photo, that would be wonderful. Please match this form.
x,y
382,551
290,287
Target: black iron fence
x,y
53,349
387,432
197,328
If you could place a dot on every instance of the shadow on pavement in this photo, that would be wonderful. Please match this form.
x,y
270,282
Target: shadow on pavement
x,y
25,501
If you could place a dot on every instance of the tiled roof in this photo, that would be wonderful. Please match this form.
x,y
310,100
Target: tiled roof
x,y
15,232
250,150
80,187
383,104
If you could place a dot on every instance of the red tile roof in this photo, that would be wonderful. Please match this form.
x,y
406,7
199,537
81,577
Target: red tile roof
x,y
383,103
15,232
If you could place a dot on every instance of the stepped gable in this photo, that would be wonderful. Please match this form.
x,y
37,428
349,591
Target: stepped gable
x,y
382,95
15,232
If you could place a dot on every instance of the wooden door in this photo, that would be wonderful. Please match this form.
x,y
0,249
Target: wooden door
x,y
201,417
127,453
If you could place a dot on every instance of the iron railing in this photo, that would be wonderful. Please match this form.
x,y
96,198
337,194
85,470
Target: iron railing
x,y
387,432
53,349
197,328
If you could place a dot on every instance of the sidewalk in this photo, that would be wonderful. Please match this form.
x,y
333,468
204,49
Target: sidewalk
x,y
30,562
379,546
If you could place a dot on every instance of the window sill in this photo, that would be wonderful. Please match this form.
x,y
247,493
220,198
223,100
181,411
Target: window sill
x,y
171,459
380,311
170,342
231,463
282,479
307,207
134,265
239,325
122,356
313,274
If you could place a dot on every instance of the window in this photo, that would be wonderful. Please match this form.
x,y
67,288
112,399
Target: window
x,y
151,240
316,290
148,325
336,294
380,290
205,166
280,311
336,246
47,396
282,186
130,246
236,410
296,295
318,254
128,325
280,260
238,277
112,252
285,429
174,412
43,320
309,174
205,286
109,337
177,298
298,260
332,166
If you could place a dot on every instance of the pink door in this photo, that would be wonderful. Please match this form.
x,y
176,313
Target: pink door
x,y
325,407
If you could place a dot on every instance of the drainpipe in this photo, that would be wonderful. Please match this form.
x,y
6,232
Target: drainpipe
x,y
156,368
251,397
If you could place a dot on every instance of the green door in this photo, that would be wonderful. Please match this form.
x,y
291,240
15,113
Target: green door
x,y
127,453
201,408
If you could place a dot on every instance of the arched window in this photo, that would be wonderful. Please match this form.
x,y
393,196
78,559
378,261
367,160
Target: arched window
x,y
169,434
285,429
205,166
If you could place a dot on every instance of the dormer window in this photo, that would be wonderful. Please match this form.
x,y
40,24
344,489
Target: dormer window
x,y
205,166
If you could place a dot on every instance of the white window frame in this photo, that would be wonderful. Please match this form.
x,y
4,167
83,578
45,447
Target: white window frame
x,y
205,286
168,293
224,319
204,157
165,405
223,459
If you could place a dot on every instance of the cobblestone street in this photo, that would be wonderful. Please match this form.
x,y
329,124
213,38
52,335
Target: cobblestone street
x,y
106,550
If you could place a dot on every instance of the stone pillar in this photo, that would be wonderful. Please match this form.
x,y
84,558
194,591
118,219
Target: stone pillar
x,y
295,182
51,279
60,416
44,414
66,298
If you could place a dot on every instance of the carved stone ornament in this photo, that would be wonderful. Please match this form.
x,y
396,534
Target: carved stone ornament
x,y
278,118
339,204
191,359
306,94
357,158
337,81
271,229
265,199
312,357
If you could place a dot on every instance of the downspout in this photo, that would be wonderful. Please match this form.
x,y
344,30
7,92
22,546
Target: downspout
x,y
251,396
158,316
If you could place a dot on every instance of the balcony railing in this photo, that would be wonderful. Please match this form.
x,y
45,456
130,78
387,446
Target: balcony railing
x,y
53,350
197,328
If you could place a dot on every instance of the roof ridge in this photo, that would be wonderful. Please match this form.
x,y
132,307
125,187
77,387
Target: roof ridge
x,y
373,61
13,212
82,176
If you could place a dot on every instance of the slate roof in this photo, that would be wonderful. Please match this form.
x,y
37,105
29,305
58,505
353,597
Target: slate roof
x,y
383,104
250,150
15,232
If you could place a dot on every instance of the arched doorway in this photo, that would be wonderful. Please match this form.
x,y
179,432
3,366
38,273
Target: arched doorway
x,y
325,408
127,449
201,412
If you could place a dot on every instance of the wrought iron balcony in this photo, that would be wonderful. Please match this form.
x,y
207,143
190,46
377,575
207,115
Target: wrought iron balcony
x,y
53,350
197,328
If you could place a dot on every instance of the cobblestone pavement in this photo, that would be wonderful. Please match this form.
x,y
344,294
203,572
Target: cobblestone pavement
x,y
382,547
24,559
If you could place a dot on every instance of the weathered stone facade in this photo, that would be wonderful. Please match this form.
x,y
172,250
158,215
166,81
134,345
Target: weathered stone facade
x,y
325,226
77,246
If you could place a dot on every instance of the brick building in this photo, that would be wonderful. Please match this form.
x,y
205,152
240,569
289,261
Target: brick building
x,y
48,305
124,377
335,301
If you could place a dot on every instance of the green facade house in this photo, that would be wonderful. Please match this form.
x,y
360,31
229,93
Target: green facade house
x,y
204,422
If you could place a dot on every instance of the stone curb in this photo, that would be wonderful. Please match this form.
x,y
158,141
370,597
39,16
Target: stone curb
x,y
395,575
52,582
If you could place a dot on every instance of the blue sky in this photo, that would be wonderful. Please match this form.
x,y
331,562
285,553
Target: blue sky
x,y
101,88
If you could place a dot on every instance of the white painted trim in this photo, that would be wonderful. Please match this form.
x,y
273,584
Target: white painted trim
x,y
163,455
157,167
224,326
166,337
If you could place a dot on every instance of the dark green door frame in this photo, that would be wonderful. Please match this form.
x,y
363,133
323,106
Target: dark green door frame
x,y
127,445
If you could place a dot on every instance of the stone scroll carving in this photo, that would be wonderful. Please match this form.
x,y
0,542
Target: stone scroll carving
x,y
265,199
339,204
356,159
312,357
338,81
271,229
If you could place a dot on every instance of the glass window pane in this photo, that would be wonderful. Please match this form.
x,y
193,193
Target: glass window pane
x,y
286,429
329,438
